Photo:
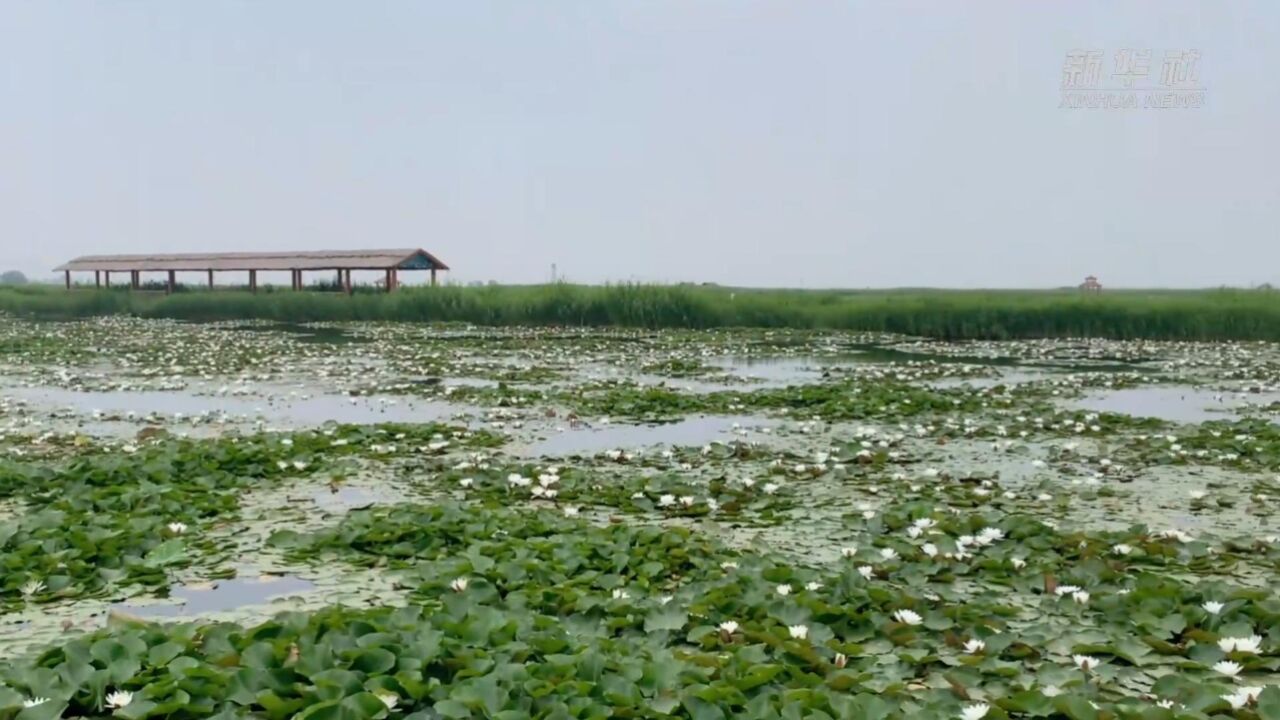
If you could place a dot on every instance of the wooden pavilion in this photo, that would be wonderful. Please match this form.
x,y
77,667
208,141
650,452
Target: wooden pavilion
x,y
391,262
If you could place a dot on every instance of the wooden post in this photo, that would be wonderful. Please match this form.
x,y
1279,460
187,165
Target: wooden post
x,y
168,289
135,278
97,279
386,282
433,277
253,281
211,278
346,280
68,274
107,274
395,279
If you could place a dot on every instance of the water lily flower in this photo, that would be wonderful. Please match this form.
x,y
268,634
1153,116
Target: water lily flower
x,y
974,646
34,702
1197,494
907,617
1228,668
1017,563
868,514
1121,549
1213,607
784,590
976,711
929,549
770,488
1243,696
728,627
571,512
1166,704
849,551
459,584
888,554
620,594
1051,691
31,587
813,585
119,698
389,699
989,535
1249,644
177,528
841,660
1085,662
1081,597
728,565
799,632
1063,590
466,482
866,571
666,500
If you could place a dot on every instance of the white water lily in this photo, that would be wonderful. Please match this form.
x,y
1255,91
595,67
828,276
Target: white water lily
x,y
1051,691
929,549
841,660
620,594
467,482
799,632
976,711
783,590
1081,597
459,584
1228,668
1085,662
770,488
177,528
728,627
974,646
31,587
848,552
666,500
119,699
1250,644
1064,590
1017,563
907,617
1213,607
34,702
1121,549
813,585
866,571
888,554
571,511
1243,696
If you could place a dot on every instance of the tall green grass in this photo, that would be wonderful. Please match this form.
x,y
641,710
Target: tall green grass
x,y
952,314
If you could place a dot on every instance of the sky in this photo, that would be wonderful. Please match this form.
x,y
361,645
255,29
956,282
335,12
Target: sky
x,y
800,144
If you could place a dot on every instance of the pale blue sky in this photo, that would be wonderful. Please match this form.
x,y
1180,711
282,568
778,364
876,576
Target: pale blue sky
x,y
853,144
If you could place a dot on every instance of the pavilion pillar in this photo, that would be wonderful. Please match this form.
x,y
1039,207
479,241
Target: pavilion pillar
x,y
433,277
210,278
395,279
346,280
135,278
107,275
253,281
68,279
386,282
168,288
97,279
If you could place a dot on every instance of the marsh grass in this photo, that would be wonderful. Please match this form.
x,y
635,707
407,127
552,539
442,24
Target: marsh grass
x,y
948,314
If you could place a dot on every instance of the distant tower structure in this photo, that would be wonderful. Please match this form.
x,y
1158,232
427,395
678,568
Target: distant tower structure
x,y
553,272
1091,284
